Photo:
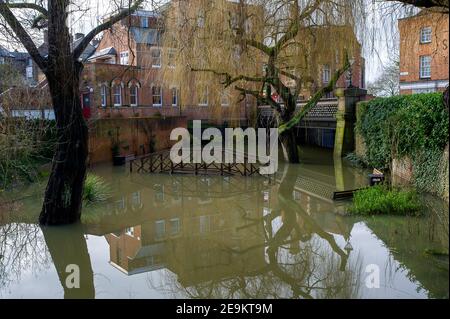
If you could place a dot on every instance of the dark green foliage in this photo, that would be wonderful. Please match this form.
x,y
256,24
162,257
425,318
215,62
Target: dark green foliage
x,y
380,199
412,125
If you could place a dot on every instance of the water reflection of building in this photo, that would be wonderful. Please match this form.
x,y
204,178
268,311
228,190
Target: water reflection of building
x,y
189,230
201,228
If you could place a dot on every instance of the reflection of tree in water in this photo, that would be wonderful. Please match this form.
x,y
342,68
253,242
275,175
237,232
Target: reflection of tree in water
x,y
301,261
22,248
28,247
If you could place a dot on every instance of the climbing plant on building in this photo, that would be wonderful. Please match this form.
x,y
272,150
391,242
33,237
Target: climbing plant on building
x,y
414,126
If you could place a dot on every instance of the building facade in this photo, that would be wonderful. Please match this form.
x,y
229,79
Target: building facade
x,y
424,53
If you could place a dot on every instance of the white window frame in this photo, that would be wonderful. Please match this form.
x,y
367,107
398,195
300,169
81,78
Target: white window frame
x,y
423,67
174,90
103,95
115,94
160,96
135,94
2,60
124,57
156,66
207,98
425,35
326,74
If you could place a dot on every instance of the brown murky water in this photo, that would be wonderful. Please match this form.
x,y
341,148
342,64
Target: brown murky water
x,y
164,236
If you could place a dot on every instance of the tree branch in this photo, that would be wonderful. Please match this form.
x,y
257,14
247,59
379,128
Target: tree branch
x,y
261,99
314,100
105,25
25,5
427,4
23,36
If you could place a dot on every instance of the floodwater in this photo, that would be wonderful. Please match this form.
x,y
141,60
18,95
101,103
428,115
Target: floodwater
x,y
163,236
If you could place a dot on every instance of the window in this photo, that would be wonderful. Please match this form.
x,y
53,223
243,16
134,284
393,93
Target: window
x,y
174,226
159,193
160,229
144,22
124,58
134,95
205,224
129,231
201,19
425,67
326,74
174,97
425,35
234,21
2,60
171,58
117,95
136,198
156,58
225,98
203,97
103,95
156,96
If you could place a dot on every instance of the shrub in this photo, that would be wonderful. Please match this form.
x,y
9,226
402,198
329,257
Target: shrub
x,y
380,199
25,144
412,125
95,189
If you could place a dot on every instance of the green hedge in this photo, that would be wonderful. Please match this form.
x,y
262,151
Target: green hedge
x,y
410,125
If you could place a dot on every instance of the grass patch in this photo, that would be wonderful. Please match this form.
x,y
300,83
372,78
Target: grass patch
x,y
95,189
381,200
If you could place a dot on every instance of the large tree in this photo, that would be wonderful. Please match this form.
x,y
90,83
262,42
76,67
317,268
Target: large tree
x,y
62,68
387,84
261,49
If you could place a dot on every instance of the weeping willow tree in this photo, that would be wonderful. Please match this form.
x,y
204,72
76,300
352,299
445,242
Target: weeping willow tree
x,y
257,49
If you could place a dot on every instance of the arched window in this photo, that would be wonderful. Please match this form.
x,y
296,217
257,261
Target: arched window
x,y
117,94
133,95
103,94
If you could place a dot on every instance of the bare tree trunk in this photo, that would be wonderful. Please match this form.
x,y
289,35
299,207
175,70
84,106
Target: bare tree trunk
x,y
289,145
63,196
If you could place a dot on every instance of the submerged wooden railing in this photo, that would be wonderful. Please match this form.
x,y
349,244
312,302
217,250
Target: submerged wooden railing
x,y
160,162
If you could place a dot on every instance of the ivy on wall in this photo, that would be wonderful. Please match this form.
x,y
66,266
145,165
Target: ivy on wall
x,y
411,125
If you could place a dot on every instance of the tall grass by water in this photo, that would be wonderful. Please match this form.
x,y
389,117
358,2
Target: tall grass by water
x,y
380,199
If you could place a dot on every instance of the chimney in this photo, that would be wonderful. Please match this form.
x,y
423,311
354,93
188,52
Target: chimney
x,y
79,36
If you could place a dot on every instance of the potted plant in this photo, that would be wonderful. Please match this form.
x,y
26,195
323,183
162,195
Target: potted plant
x,y
117,158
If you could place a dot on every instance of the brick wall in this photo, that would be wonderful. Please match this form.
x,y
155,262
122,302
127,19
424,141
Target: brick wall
x,y
134,134
411,49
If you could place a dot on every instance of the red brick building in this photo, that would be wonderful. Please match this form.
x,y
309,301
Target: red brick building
x,y
124,76
424,63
